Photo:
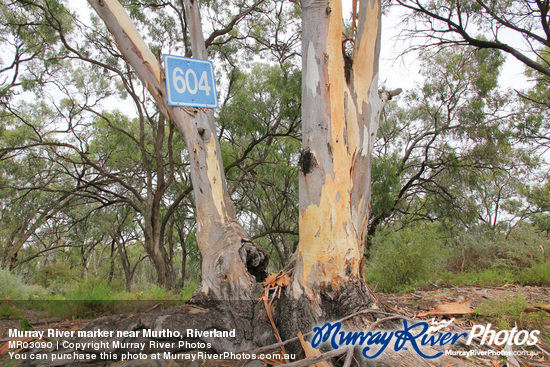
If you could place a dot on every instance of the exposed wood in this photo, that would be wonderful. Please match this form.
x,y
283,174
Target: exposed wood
x,y
340,120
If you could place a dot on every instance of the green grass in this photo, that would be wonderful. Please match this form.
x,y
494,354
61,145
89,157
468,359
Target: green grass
x,y
487,277
537,274
14,288
507,313
188,289
87,298
93,297
7,362
8,311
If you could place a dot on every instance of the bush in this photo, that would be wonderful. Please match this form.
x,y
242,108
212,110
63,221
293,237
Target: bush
x,y
14,288
57,274
405,258
485,249
91,289
537,274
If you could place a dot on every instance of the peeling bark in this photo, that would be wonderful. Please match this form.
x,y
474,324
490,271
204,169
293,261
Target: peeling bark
x,y
335,195
341,107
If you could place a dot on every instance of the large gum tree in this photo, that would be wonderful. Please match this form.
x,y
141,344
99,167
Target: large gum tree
x,y
341,106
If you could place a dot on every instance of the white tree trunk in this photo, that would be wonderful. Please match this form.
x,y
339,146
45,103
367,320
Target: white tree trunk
x,y
340,118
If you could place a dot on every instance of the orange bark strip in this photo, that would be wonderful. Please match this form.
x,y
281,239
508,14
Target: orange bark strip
x,y
214,172
453,308
310,351
365,53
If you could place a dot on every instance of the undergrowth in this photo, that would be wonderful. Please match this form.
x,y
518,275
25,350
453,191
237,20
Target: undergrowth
x,y
85,298
415,258
509,313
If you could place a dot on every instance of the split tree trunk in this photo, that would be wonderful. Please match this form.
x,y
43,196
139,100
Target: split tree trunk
x,y
340,112
231,263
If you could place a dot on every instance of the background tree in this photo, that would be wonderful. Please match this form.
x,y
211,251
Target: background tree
x,y
261,125
485,24
449,154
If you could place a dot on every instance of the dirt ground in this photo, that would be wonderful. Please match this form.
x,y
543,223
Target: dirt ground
x,y
416,302
523,307
495,305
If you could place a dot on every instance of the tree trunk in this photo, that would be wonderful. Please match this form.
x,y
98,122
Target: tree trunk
x,y
112,262
154,245
341,106
231,263
183,244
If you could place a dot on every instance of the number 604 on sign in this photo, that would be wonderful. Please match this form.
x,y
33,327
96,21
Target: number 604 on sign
x,y
190,82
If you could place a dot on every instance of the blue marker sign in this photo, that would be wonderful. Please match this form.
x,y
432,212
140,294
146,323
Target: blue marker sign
x,y
190,82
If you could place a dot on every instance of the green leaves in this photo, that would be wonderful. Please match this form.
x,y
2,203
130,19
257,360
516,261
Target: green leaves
x,y
260,147
448,153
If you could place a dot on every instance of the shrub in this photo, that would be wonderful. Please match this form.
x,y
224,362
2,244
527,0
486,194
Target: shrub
x,y
54,273
481,249
14,288
91,289
405,258
537,274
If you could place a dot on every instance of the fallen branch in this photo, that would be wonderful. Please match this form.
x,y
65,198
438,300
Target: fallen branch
x,y
153,308
349,358
375,324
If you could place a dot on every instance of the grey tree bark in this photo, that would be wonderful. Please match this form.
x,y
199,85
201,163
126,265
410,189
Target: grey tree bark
x,y
231,262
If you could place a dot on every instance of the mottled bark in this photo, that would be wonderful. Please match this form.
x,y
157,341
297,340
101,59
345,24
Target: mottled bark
x,y
341,107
